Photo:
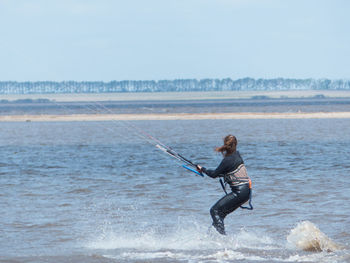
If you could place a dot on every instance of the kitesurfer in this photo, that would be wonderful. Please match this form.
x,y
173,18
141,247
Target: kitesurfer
x,y
233,171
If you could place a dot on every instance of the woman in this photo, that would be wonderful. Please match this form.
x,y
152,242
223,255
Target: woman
x,y
233,171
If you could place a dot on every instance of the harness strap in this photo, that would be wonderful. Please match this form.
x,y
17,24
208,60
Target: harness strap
x,y
250,197
250,194
223,185
250,202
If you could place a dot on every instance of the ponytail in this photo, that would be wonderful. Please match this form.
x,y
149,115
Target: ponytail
x,y
229,147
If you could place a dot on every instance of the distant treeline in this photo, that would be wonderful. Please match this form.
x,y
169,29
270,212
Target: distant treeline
x,y
246,84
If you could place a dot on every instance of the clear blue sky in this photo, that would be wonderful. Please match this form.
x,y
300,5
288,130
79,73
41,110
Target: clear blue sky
x,y
168,39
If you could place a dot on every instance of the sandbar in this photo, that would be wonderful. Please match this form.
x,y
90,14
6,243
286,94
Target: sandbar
x,y
177,116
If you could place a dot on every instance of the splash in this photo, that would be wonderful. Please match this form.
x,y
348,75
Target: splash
x,y
187,243
308,237
195,237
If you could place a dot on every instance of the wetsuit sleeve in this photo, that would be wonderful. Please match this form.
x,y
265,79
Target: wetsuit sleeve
x,y
218,172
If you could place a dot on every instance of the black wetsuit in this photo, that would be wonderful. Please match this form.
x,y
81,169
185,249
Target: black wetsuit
x,y
233,200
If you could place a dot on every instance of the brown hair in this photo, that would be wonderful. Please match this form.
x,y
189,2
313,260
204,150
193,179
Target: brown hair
x,y
229,147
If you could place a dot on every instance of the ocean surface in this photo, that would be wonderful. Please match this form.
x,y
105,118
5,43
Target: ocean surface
x,y
325,104
102,192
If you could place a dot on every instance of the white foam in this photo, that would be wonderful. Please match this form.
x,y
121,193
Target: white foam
x,y
252,239
228,254
192,237
152,255
218,256
308,237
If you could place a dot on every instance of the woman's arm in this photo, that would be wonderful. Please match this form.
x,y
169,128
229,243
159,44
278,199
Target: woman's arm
x,y
218,172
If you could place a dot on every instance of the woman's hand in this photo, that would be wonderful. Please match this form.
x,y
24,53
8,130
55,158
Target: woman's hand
x,y
199,168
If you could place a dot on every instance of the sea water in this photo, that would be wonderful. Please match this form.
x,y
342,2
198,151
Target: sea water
x,y
100,192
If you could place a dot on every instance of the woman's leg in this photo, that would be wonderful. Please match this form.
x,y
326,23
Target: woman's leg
x,y
226,205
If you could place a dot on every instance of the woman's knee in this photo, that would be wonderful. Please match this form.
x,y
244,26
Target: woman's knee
x,y
217,212
213,211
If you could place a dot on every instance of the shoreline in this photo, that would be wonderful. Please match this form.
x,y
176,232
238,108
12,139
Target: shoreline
x,y
178,116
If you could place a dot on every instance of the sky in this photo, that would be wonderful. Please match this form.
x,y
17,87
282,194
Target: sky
x,y
105,40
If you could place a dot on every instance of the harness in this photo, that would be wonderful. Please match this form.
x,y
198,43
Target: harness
x,y
236,178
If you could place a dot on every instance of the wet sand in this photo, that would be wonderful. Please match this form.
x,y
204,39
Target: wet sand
x,y
177,116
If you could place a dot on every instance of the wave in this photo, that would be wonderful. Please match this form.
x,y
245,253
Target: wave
x,y
308,237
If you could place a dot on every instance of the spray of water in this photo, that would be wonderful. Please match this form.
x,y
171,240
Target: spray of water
x,y
308,237
194,242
